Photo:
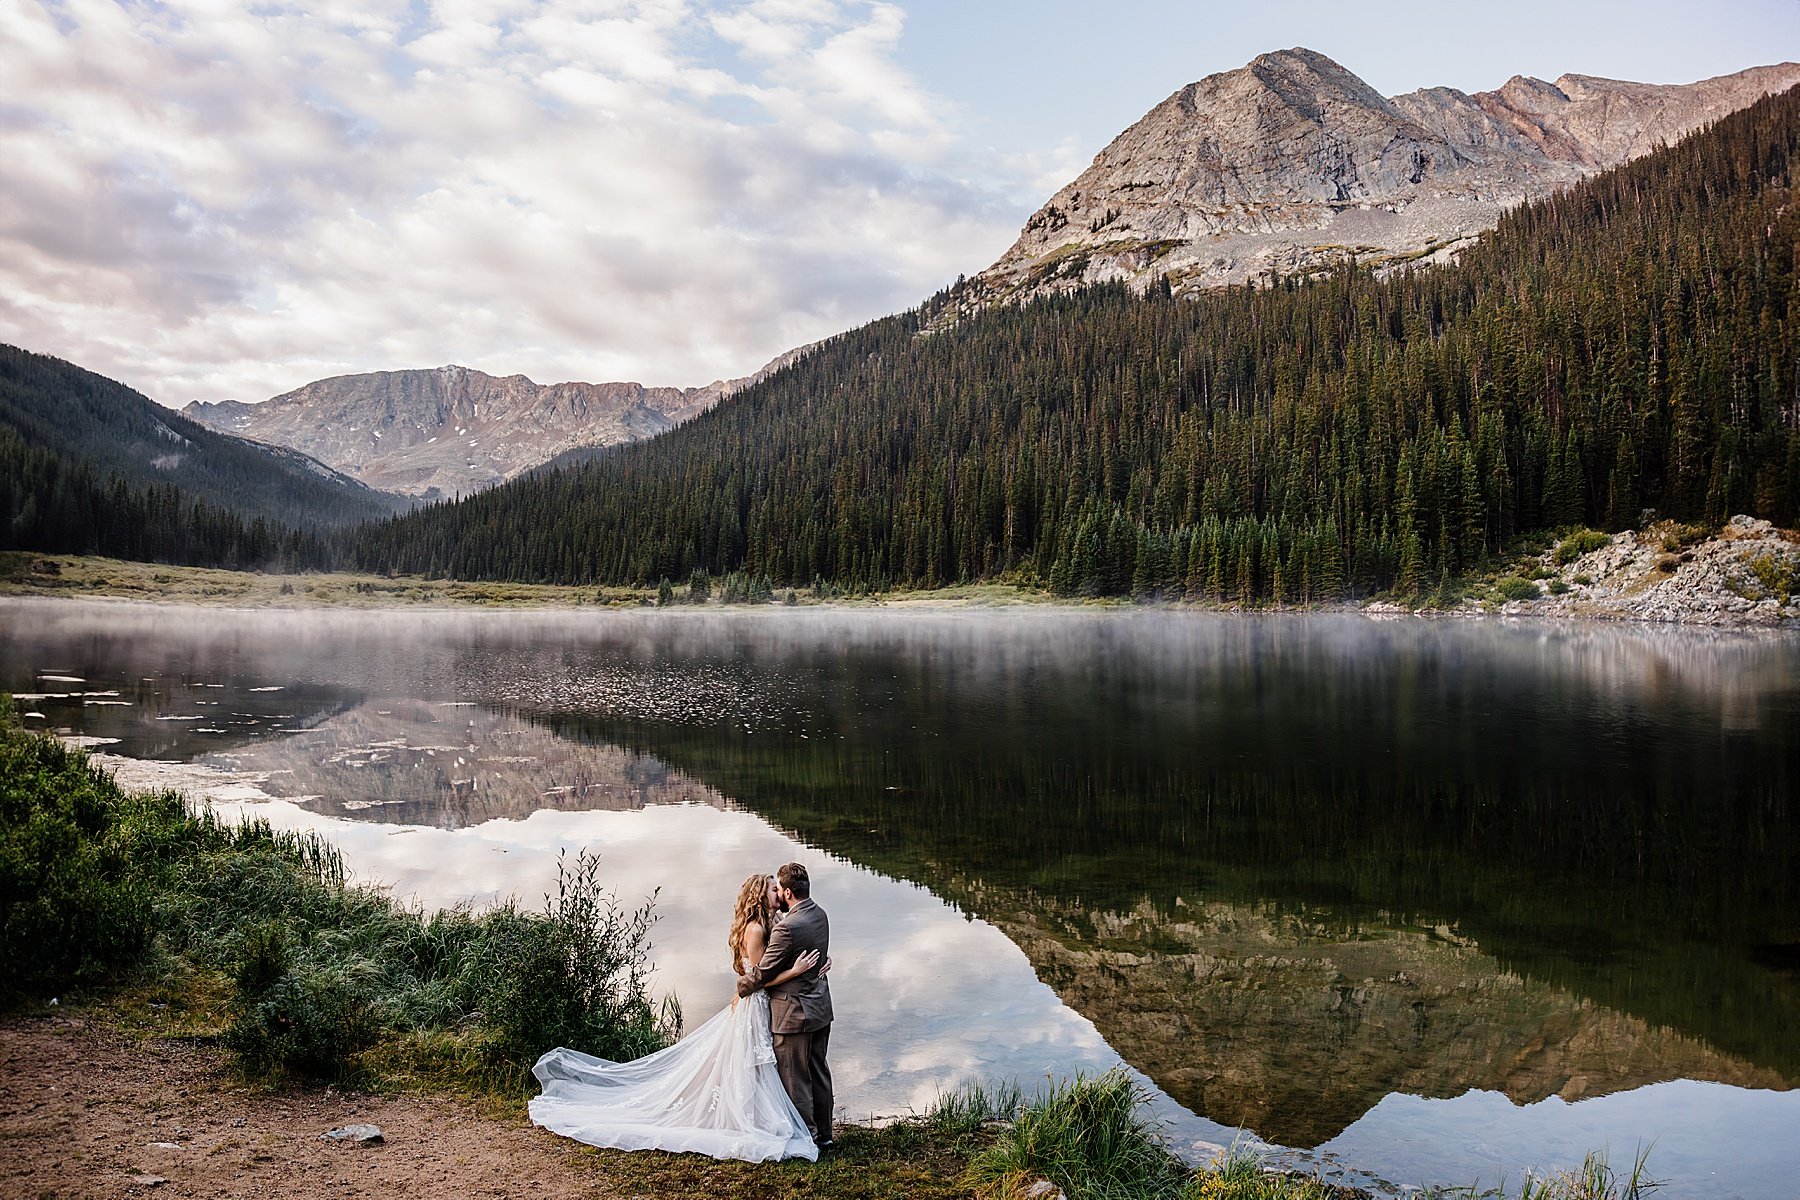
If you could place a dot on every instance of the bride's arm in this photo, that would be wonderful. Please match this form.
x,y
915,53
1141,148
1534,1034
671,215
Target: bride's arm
x,y
802,965
755,944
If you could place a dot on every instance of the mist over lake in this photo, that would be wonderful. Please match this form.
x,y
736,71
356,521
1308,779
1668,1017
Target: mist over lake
x,y
1424,900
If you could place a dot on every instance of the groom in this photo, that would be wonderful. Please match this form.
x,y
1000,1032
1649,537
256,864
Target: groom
x,y
800,1009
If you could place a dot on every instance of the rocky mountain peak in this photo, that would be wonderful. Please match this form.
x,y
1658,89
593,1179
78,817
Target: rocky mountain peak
x,y
454,430
1292,164
1302,79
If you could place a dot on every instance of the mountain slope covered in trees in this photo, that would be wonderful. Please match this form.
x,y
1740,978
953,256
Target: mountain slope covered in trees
x,y
1627,344
80,417
88,465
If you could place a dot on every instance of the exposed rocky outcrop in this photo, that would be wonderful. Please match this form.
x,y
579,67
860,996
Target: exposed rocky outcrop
x,y
453,431
1293,164
1748,573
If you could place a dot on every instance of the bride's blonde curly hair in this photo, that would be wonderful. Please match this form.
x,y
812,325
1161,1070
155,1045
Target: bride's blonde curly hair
x,y
752,905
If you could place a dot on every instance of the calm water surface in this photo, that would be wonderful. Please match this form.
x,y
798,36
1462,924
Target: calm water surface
x,y
1418,901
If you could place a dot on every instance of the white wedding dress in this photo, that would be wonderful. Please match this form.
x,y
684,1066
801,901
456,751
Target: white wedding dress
x,y
714,1092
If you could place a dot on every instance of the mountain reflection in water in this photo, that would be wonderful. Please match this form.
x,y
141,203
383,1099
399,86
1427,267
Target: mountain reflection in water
x,y
1306,873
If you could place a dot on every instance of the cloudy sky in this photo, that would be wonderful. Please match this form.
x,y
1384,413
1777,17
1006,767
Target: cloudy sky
x,y
211,199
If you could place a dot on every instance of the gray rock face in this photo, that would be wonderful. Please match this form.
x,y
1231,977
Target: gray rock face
x,y
1746,574
454,431
1292,164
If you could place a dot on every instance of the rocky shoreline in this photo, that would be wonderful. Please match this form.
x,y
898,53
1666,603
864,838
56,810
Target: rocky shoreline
x,y
1745,575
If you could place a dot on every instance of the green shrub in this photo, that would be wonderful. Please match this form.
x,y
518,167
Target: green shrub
x,y
1582,541
71,910
312,1021
264,960
1514,587
1683,536
1779,578
1557,587
577,976
1087,1138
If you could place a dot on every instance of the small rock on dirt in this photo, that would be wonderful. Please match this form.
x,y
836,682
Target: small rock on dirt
x,y
362,1135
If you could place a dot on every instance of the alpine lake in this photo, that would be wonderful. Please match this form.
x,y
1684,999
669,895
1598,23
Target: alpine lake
x,y
1408,902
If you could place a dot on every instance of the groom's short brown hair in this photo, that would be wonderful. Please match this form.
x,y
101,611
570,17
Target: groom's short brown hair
x,y
793,877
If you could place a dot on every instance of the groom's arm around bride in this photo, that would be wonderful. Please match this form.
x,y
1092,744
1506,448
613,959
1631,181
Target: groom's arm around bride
x,y
799,1008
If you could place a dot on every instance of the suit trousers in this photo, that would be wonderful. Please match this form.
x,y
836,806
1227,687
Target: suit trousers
x,y
800,1061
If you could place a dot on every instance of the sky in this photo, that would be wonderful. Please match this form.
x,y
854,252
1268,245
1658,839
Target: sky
x,y
215,200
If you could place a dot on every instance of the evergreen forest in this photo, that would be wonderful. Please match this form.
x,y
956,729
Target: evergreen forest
x,y
51,503
1626,345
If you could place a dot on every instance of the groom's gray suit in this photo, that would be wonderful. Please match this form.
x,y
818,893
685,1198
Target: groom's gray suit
x,y
799,1012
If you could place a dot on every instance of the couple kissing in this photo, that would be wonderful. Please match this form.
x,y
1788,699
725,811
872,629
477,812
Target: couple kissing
x,y
752,1082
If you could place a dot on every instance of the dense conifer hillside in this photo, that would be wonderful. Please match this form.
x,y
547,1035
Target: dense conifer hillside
x,y
81,417
1627,344
54,504
88,465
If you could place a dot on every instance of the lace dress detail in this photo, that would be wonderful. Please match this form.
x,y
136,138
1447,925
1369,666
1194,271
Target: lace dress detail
x,y
714,1092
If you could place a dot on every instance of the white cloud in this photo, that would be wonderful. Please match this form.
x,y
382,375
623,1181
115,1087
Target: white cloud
x,y
212,200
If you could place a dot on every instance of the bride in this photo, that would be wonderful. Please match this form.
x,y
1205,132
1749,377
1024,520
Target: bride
x,y
714,1092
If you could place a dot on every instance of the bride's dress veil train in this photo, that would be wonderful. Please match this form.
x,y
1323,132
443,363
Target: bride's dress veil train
x,y
714,1092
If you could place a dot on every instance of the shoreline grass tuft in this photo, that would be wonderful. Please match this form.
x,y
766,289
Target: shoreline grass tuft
x,y
1088,1138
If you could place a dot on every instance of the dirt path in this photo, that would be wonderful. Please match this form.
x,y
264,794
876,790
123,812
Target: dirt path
x,y
84,1110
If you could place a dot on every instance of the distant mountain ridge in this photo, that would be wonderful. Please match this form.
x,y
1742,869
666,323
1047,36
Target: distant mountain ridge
x,y
455,430
1292,165
84,418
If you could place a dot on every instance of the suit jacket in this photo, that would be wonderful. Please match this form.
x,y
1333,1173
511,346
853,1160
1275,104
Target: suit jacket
x,y
803,1003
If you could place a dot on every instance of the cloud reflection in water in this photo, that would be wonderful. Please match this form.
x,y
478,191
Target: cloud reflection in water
x,y
926,997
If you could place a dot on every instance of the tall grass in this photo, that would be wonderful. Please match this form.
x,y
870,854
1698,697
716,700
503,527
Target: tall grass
x,y
973,1107
1087,1138
1594,1179
321,972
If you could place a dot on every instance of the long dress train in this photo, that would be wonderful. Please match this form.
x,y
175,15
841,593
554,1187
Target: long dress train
x,y
714,1092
